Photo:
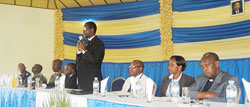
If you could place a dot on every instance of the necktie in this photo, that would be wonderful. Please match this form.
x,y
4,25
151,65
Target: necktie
x,y
87,43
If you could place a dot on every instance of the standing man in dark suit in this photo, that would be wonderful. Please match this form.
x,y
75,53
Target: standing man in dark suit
x,y
212,84
89,58
176,66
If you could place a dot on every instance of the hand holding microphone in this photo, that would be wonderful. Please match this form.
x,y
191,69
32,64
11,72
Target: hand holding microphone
x,y
80,44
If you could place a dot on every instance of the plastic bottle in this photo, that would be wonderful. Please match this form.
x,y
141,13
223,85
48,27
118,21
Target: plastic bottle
x,y
95,86
57,82
138,90
13,81
231,93
175,91
20,81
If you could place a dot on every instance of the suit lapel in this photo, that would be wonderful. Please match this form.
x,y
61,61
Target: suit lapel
x,y
217,81
182,80
203,82
166,86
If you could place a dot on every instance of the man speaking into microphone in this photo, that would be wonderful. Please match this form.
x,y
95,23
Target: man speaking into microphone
x,y
89,58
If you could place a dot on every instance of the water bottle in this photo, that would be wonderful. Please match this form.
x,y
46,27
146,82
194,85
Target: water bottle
x,y
95,86
138,90
175,91
33,84
29,82
57,82
20,81
231,93
37,82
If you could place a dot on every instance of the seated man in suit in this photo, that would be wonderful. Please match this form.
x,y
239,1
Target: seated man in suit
x,y
24,74
135,70
176,66
212,84
37,69
57,68
70,73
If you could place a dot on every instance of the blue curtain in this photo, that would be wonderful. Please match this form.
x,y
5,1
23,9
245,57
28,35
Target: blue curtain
x,y
135,40
112,11
197,34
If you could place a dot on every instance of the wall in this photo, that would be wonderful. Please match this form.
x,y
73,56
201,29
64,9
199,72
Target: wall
x,y
27,36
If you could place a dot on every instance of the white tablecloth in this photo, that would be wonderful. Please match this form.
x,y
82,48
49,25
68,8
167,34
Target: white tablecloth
x,y
86,100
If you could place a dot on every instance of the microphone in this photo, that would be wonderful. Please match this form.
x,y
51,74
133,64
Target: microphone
x,y
81,37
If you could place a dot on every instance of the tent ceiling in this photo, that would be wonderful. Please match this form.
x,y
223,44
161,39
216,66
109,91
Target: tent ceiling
x,y
56,4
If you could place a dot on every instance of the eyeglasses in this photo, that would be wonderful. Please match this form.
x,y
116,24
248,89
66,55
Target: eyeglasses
x,y
85,28
131,66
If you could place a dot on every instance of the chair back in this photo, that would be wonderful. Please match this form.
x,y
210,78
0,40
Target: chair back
x,y
117,84
239,95
155,87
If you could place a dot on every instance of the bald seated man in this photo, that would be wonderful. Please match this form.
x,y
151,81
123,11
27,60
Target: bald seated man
x,y
212,83
24,73
135,70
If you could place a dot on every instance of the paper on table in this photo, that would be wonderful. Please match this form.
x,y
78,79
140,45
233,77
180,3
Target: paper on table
x,y
62,82
104,84
149,88
247,87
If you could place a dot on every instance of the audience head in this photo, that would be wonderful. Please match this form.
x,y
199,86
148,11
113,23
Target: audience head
x,y
176,64
89,29
21,67
57,65
210,64
69,69
136,67
36,69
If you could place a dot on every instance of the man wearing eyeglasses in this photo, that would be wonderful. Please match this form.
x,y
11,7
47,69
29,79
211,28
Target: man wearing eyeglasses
x,y
135,70
89,58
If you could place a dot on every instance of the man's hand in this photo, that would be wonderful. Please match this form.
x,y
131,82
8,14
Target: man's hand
x,y
81,46
201,95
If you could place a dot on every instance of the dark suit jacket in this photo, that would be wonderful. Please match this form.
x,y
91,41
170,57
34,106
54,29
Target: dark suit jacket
x,y
70,81
185,81
24,78
88,65
219,85
240,11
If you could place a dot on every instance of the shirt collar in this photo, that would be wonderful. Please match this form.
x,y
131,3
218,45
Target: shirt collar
x,y
91,38
178,79
71,74
137,77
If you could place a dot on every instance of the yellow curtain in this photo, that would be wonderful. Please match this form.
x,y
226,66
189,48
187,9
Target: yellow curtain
x,y
225,48
118,27
58,42
166,28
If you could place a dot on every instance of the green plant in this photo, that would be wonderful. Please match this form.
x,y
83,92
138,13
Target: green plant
x,y
58,99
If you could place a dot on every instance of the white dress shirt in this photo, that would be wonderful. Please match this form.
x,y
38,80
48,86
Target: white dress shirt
x,y
168,93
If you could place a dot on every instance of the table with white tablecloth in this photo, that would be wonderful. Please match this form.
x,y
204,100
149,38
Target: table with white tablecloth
x,y
16,97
